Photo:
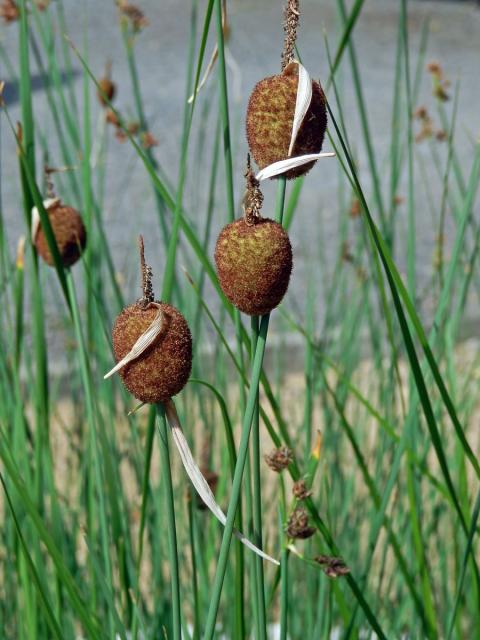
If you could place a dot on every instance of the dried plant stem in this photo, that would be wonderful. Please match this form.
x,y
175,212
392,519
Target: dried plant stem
x,y
243,449
162,429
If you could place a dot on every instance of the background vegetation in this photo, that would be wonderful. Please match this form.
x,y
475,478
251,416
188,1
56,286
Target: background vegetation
x,y
382,418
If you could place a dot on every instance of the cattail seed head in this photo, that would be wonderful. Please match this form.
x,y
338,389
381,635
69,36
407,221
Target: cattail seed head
x,y
254,263
69,231
163,369
270,115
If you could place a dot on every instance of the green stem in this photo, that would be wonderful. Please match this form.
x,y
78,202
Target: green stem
x,y
242,453
170,513
257,500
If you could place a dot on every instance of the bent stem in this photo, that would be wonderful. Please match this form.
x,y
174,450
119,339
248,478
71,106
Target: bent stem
x,y
162,428
243,448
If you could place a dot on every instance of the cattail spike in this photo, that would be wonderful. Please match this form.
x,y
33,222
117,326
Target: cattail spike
x,y
291,17
146,271
253,199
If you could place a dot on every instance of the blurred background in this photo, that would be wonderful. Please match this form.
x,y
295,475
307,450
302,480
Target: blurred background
x,y
254,47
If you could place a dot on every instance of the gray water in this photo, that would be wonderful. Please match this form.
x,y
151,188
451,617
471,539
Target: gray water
x,y
254,52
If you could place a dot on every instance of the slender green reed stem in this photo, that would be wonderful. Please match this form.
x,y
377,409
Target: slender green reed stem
x,y
162,428
257,498
242,453
283,567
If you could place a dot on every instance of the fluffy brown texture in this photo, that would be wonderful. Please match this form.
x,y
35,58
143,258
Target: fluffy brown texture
x,y
69,232
270,114
254,263
163,369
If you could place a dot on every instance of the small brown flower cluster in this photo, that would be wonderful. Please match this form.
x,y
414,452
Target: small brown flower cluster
x,y
147,140
440,83
300,490
9,11
279,459
298,526
134,14
427,128
355,208
333,567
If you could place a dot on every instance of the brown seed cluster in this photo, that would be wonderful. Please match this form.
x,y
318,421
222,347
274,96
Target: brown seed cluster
x,y
9,11
134,14
163,369
254,263
270,114
298,527
440,83
333,567
300,490
106,90
279,459
70,235
427,128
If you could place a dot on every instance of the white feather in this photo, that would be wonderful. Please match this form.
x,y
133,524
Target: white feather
x,y
304,98
199,481
144,341
282,166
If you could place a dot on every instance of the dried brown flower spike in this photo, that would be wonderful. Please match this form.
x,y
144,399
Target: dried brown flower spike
x,y
106,87
279,459
254,257
9,11
152,346
333,567
286,115
300,490
298,527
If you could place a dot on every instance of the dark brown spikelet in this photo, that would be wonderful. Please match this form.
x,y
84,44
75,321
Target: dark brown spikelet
x,y
106,89
279,459
254,263
69,232
270,114
298,527
333,567
9,11
300,490
163,369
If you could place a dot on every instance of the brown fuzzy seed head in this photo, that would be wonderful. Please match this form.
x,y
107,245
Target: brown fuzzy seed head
x,y
279,459
254,262
270,114
106,89
300,490
298,527
163,369
69,232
